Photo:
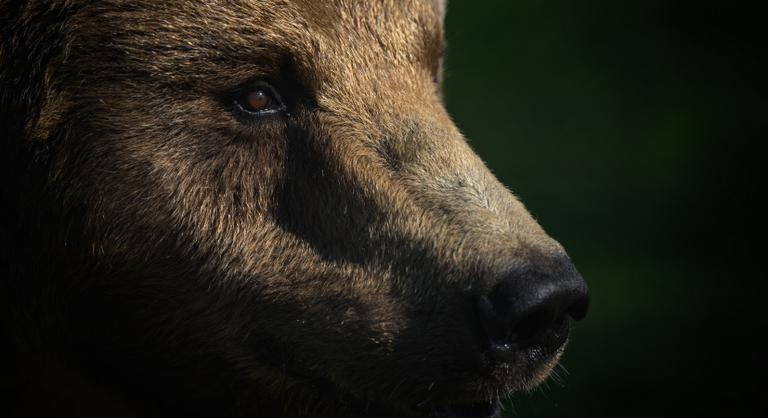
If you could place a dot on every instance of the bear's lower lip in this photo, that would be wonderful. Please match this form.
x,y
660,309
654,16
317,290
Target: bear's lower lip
x,y
490,409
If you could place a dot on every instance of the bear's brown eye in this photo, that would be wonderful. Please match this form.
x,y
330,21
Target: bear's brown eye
x,y
260,100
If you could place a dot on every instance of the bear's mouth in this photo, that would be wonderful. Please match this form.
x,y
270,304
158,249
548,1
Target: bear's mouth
x,y
462,404
476,397
370,406
489,409
479,409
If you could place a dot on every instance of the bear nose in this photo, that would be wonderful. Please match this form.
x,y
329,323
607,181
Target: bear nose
x,y
533,306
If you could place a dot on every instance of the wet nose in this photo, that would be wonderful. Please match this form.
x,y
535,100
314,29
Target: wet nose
x,y
533,306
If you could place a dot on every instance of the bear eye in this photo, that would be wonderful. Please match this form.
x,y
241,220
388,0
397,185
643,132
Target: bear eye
x,y
259,100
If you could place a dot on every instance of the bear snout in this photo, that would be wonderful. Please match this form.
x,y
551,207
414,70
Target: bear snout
x,y
531,307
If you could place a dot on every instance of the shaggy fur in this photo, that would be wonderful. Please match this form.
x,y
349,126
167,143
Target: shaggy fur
x,y
167,256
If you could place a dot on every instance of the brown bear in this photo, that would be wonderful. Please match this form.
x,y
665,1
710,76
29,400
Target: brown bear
x,y
257,208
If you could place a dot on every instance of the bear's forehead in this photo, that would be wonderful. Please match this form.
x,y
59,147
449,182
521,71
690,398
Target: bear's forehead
x,y
387,26
171,38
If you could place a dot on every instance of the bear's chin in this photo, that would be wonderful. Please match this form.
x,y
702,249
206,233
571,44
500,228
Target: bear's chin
x,y
480,397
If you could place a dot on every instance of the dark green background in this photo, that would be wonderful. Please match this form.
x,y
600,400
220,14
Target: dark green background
x,y
634,132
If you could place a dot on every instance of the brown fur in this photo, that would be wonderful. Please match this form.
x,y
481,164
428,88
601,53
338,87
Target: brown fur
x,y
170,259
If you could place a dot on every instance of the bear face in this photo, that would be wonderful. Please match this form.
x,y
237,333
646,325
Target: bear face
x,y
253,207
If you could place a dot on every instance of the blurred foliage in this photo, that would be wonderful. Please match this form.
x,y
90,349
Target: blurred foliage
x,y
634,132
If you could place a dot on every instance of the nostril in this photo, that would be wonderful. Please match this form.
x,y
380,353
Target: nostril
x,y
531,325
506,326
492,322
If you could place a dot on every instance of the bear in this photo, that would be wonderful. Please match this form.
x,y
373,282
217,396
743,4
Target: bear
x,y
247,208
